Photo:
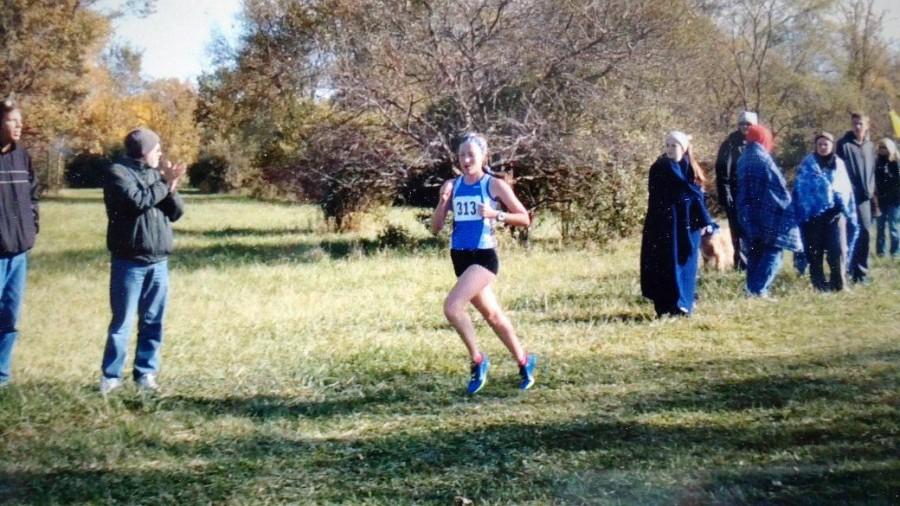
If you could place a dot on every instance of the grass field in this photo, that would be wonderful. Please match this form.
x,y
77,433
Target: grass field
x,y
302,366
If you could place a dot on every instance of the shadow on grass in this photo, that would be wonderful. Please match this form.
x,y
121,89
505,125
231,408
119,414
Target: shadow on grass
x,y
587,307
386,391
230,255
508,462
227,255
114,486
230,232
269,407
782,456
474,457
813,485
767,392
598,315
383,393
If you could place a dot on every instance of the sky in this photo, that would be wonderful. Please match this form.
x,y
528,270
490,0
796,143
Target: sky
x,y
175,39
892,19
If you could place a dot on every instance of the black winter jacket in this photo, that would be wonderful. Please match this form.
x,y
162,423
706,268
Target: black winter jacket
x,y
726,169
141,210
887,182
18,202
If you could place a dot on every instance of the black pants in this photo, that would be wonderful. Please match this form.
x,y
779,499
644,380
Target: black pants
x,y
826,236
740,255
663,309
859,259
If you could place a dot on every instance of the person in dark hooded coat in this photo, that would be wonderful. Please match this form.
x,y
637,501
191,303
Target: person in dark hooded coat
x,y
726,182
676,219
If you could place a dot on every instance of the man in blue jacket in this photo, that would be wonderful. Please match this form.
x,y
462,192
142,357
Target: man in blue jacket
x,y
18,228
141,204
858,154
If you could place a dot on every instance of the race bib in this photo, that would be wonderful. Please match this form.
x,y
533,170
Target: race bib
x,y
466,208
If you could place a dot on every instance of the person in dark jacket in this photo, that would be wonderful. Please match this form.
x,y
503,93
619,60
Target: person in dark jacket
x,y
887,191
18,228
858,154
676,219
726,182
141,204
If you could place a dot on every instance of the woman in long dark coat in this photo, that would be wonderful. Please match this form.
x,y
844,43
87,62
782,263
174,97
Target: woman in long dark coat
x,y
676,219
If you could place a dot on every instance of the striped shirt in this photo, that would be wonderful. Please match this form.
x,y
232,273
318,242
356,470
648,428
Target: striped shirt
x,y
18,202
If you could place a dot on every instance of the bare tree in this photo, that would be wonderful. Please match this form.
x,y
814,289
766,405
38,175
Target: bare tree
x,y
767,39
863,41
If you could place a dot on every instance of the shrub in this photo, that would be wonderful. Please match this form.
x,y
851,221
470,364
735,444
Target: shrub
x,y
395,237
87,170
209,174
612,205
346,168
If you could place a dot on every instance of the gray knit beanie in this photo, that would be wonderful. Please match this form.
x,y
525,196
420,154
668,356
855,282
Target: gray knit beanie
x,y
139,142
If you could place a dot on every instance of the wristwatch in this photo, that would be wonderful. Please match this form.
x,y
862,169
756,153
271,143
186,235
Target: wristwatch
x,y
501,217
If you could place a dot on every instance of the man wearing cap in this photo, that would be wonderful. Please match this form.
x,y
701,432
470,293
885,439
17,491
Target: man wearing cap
x,y
141,204
726,181
858,154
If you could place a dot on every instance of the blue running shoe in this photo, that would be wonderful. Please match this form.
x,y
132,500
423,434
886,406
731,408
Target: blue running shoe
x,y
479,374
527,372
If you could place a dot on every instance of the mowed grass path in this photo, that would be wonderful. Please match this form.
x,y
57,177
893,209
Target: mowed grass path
x,y
301,366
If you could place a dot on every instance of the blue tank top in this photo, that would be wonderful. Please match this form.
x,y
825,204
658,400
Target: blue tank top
x,y
470,229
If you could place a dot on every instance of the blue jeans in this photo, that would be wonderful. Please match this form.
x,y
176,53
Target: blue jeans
x,y
890,217
142,289
763,263
859,257
12,291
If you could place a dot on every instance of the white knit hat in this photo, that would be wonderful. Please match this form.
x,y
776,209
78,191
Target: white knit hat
x,y
748,117
679,137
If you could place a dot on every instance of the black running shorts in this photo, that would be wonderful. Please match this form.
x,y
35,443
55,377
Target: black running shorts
x,y
465,258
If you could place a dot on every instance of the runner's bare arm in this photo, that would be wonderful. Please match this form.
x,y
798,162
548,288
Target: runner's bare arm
x,y
443,207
